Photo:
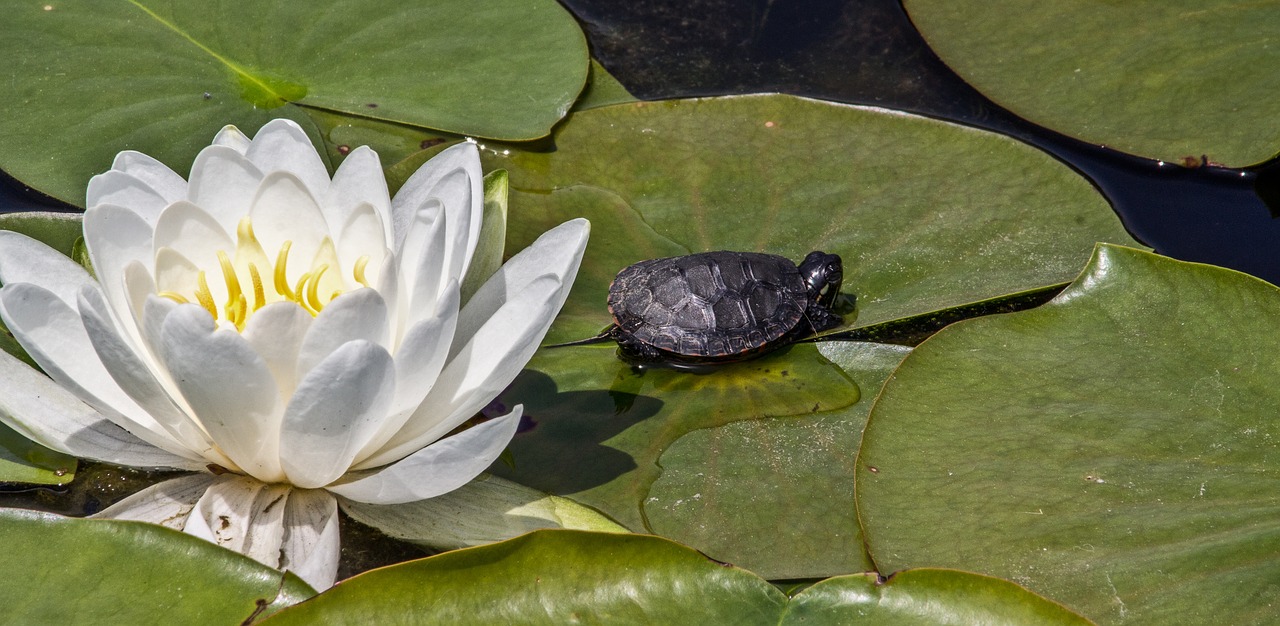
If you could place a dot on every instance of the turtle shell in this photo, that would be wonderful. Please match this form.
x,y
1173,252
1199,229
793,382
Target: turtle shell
x,y
708,305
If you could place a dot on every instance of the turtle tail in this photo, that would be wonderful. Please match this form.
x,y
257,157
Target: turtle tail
x,y
608,334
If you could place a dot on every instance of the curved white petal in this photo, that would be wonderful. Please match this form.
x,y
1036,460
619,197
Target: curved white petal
x,y
193,233
228,386
122,189
55,338
284,210
167,503
455,178
422,263
282,146
310,547
359,180
558,251
42,411
223,183
483,367
419,359
231,137
337,408
244,515
436,469
360,314
137,380
115,237
362,235
276,332
25,260
156,175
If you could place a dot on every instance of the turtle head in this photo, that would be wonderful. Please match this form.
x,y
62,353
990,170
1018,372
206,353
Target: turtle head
x,y
823,273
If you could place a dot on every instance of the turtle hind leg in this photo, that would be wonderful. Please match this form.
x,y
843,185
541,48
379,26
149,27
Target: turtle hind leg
x,y
632,350
608,334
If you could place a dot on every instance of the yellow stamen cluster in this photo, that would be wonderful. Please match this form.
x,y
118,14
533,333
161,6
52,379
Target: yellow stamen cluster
x,y
305,292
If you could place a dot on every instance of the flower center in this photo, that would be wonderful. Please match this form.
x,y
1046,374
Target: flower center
x,y
245,290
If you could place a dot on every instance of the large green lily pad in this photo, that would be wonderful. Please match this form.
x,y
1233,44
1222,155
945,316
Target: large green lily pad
x,y
68,571
773,495
563,577
1165,80
927,215
1115,449
86,78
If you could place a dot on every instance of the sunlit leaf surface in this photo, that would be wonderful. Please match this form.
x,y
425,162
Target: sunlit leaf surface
x,y
72,571
563,577
1115,449
85,79
1167,80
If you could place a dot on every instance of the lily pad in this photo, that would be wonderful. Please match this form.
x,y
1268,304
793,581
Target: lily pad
x,y
774,495
560,577
1115,449
594,427
1165,80
927,215
83,86
61,570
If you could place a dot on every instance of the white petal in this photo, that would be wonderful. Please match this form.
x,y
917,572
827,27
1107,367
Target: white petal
x,y
276,332
121,189
137,380
55,337
482,368
419,359
359,180
223,183
116,237
282,146
311,542
25,260
156,175
558,251
244,515
228,386
51,416
231,137
362,235
195,234
422,264
283,210
359,314
167,503
436,469
337,408
455,178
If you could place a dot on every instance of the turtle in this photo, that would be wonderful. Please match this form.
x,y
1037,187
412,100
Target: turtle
x,y
722,306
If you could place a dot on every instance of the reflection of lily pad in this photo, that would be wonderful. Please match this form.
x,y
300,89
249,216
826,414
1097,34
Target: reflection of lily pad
x,y
775,495
927,215
562,577
70,571
1166,80
88,78
1115,449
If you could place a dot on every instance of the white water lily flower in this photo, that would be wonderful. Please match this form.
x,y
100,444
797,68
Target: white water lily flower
x,y
286,335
